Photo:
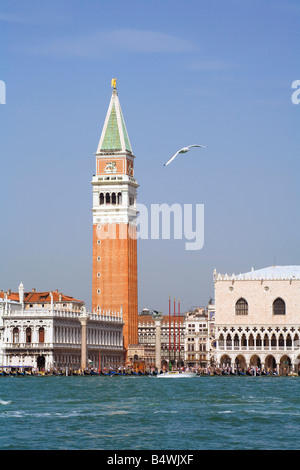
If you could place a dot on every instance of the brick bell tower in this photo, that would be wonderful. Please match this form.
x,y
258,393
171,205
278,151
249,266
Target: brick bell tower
x,y
114,223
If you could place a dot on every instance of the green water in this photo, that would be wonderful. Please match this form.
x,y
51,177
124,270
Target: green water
x,y
146,413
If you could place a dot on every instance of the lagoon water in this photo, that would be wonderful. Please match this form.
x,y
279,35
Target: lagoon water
x,y
146,413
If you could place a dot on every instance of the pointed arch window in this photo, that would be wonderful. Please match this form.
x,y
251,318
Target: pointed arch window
x,y
273,340
279,307
289,342
266,340
281,340
258,340
251,340
244,340
241,307
228,341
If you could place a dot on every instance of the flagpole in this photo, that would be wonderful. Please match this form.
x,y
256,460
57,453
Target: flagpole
x,y
169,331
174,332
179,332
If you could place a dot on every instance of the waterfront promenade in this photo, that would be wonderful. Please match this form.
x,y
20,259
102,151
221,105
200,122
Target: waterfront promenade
x,y
130,372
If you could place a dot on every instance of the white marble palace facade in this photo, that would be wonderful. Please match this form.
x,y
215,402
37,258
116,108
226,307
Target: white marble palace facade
x,y
49,336
257,319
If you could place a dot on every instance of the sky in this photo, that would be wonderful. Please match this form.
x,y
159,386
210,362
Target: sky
x,y
214,73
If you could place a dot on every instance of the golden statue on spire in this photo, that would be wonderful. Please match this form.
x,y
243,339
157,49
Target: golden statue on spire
x,y
114,83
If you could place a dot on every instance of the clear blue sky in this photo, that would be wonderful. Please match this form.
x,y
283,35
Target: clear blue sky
x,y
189,71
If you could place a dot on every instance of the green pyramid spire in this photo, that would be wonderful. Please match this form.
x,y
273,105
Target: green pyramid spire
x,y
112,139
114,135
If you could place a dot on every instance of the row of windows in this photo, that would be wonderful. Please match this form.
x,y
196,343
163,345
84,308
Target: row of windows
x,y
113,198
241,307
110,198
258,340
192,347
28,335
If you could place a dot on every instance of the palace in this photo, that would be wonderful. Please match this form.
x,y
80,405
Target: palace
x,y
114,282
49,330
257,319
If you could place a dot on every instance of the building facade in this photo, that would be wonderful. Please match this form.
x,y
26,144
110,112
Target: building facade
x,y
46,335
172,338
257,319
196,337
114,280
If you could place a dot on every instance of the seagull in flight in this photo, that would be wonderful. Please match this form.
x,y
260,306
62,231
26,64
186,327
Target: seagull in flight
x,y
183,150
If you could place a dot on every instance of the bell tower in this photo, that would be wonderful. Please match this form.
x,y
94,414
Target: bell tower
x,y
114,223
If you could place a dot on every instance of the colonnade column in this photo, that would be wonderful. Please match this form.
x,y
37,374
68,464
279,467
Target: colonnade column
x,y
157,321
83,318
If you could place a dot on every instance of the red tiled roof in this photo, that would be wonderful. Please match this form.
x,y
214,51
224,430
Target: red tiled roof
x,y
40,297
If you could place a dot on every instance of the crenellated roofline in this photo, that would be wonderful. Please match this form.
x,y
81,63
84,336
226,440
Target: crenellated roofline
x,y
270,273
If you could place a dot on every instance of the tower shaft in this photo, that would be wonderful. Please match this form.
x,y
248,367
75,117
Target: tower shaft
x,y
114,283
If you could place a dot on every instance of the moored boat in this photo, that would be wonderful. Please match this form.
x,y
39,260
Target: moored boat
x,y
176,374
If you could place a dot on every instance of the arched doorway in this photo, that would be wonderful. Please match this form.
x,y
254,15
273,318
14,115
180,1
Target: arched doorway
x,y
40,362
240,363
297,366
255,361
225,361
285,365
270,364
